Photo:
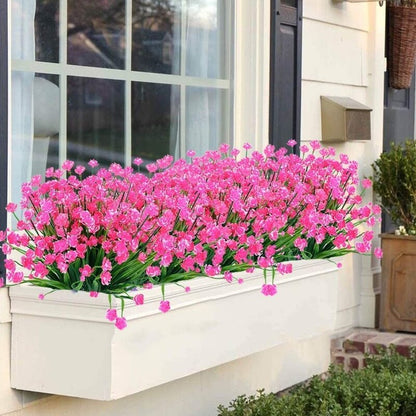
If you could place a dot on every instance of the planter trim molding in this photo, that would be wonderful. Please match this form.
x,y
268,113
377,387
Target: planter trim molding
x,y
64,345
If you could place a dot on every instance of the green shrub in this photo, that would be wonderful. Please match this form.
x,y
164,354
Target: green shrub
x,y
385,387
394,182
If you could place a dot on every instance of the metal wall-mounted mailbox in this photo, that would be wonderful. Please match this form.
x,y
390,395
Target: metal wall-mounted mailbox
x,y
344,119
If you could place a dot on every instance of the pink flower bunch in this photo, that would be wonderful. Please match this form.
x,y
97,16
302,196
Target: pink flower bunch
x,y
119,230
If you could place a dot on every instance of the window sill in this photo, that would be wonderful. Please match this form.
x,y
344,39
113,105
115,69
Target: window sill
x,y
64,345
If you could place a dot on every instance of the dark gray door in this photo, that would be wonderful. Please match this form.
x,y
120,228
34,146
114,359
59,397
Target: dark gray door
x,y
399,119
399,122
285,76
399,114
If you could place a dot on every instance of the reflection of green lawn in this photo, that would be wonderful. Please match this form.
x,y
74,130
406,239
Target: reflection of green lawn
x,y
151,142
147,142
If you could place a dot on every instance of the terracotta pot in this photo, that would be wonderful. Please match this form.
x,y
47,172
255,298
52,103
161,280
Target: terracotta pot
x,y
398,285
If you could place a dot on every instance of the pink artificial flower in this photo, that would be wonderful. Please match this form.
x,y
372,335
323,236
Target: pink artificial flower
x,y
93,163
164,306
283,268
191,154
121,322
9,264
93,294
228,276
137,161
212,270
264,262
362,247
187,289
1,282
315,145
269,290
235,152
105,278
106,265
67,165
17,277
40,270
366,183
368,236
11,207
339,265
240,281
111,314
49,172
378,252
148,285
224,148
41,296
300,243
247,146
85,272
139,299
151,167
142,257
79,170
153,271
6,249
291,143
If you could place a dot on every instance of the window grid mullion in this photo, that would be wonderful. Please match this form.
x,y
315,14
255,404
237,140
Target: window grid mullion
x,y
127,84
63,33
118,74
182,118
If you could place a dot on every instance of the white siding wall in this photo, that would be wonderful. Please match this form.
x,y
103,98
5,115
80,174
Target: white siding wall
x,y
343,54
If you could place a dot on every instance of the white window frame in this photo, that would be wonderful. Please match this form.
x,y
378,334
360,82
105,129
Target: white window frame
x,y
64,70
249,98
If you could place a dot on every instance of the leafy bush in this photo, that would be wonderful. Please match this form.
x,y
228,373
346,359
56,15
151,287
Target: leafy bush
x,y
386,387
394,181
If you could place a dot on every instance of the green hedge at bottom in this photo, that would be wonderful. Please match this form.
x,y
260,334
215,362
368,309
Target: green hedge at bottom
x,y
385,387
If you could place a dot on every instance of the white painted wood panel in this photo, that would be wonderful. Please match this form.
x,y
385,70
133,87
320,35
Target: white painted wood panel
x,y
9,399
209,327
201,393
311,104
354,15
4,305
334,54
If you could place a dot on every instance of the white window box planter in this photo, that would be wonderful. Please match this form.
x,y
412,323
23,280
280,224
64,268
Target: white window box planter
x,y
64,345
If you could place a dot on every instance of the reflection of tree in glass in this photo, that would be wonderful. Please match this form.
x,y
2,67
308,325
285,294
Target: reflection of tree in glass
x,y
154,15
46,30
98,13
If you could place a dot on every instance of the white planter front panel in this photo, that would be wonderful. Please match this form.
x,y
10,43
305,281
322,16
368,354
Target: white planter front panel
x,y
64,345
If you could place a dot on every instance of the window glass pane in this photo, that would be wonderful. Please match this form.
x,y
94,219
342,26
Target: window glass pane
x,y
292,3
35,126
22,30
206,117
95,120
47,30
46,115
206,38
155,127
96,35
156,36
